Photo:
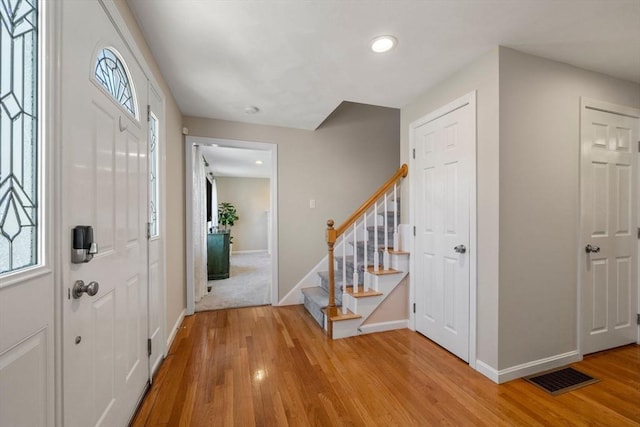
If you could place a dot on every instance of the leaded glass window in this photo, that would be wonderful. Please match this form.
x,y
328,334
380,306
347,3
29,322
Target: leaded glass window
x,y
153,175
112,75
18,134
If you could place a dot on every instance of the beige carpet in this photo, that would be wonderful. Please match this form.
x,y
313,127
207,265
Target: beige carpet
x,y
249,284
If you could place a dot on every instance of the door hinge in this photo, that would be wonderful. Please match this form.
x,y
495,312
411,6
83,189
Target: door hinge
x,y
149,347
638,232
148,113
414,230
148,230
638,319
414,153
414,307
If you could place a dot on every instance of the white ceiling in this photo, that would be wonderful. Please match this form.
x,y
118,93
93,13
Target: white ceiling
x,y
298,60
237,162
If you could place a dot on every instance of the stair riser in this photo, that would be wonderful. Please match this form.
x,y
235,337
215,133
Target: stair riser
x,y
314,310
324,284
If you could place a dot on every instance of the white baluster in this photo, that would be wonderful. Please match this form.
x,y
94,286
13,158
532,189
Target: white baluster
x,y
344,273
376,250
385,254
366,241
396,237
355,258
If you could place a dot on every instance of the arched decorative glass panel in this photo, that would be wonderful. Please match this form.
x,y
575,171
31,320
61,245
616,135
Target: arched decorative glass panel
x,y
18,135
112,75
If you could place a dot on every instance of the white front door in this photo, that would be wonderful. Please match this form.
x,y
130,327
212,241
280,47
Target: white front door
x,y
441,181
608,239
105,185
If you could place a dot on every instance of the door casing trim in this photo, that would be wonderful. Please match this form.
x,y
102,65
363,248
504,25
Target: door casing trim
x,y
265,146
470,100
622,110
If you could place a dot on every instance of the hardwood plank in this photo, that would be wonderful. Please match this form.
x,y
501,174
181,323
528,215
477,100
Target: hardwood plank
x,y
273,366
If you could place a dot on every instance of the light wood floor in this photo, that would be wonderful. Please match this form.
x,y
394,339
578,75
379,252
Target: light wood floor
x,y
272,366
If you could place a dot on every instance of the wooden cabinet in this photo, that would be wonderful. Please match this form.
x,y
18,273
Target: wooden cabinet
x,y
218,255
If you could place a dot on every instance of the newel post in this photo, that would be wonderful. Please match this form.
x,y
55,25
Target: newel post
x,y
331,308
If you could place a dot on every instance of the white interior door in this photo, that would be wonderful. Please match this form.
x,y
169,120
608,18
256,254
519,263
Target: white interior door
x,y
105,185
608,244
442,178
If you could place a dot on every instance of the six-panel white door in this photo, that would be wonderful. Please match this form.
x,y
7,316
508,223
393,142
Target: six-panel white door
x,y
442,178
104,181
608,249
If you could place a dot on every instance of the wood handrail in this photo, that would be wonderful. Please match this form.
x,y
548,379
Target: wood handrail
x,y
334,233
400,173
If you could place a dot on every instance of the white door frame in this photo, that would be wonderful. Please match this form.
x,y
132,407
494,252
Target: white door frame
x,y
264,146
60,243
468,99
608,107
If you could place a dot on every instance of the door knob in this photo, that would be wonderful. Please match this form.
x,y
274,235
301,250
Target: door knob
x,y
79,288
594,249
460,249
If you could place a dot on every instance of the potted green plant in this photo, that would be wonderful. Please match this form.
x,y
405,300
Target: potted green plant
x,y
227,216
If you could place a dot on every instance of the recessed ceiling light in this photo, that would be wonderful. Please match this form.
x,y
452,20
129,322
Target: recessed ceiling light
x,y
258,162
251,109
383,44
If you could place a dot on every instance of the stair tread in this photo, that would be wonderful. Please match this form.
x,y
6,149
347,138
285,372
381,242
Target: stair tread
x,y
392,252
325,275
371,243
362,293
339,316
382,272
318,295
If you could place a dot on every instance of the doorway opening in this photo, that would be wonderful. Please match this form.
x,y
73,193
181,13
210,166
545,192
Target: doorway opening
x,y
231,262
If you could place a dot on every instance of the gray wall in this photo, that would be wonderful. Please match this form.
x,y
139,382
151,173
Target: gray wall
x,y
539,200
339,165
250,196
482,76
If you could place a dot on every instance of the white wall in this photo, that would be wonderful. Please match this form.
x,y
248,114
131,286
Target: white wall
x,y
251,197
339,165
539,200
482,76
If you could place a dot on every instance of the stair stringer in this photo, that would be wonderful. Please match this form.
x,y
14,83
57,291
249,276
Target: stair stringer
x,y
365,306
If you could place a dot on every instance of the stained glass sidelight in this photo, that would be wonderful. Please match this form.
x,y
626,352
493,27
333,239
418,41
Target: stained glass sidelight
x,y
153,175
18,134
112,75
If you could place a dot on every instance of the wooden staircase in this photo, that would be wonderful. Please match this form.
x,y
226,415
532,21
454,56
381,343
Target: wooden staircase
x,y
336,304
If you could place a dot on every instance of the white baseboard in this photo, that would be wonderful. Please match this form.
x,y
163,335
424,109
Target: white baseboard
x,y
487,371
529,368
384,326
253,251
174,330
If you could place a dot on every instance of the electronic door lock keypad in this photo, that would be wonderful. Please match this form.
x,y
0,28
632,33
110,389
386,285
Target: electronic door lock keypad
x,y
83,247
